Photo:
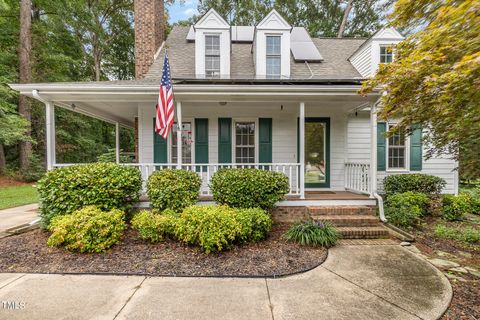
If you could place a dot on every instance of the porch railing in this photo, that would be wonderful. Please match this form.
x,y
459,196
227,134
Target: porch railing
x,y
207,170
357,177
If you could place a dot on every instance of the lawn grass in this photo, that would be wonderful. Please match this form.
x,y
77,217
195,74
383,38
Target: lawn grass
x,y
17,196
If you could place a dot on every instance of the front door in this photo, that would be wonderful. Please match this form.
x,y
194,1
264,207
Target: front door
x,y
317,152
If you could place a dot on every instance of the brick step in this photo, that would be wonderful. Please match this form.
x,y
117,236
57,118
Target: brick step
x,y
341,210
363,232
349,220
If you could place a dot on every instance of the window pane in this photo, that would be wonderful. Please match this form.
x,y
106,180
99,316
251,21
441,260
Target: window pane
x,y
245,142
186,143
212,45
273,45
273,66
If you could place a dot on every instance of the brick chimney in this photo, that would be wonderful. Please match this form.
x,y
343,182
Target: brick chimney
x,y
149,33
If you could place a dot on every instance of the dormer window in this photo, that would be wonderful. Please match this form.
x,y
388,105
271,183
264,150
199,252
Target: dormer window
x,y
386,54
273,58
212,56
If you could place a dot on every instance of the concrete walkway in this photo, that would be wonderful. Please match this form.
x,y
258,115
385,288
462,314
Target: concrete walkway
x,y
356,282
17,216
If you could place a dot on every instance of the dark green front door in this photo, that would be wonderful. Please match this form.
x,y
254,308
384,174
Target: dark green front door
x,y
317,152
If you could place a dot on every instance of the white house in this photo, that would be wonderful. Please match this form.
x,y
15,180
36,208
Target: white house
x,y
264,96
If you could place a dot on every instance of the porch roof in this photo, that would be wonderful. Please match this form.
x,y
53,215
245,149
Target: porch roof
x,y
117,101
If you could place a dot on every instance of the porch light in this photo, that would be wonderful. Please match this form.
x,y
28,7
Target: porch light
x,y
223,103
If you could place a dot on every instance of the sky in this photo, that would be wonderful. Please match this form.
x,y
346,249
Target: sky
x,y
182,11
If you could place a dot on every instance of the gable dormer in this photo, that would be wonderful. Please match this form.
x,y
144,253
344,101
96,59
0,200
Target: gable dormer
x,y
378,49
272,47
212,46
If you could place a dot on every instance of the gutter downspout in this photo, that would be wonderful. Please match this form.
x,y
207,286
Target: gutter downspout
x,y
373,164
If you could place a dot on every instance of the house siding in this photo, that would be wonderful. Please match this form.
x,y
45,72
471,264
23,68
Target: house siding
x,y
362,60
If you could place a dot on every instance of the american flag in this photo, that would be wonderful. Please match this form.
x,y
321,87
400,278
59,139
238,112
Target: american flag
x,y
164,114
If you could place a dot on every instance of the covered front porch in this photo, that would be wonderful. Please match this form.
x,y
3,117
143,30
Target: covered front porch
x,y
305,132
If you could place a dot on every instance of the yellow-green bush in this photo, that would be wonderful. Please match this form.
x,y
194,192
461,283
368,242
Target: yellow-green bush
x,y
87,230
154,227
255,224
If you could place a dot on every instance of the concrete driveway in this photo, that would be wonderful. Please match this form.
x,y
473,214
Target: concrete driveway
x,y
355,282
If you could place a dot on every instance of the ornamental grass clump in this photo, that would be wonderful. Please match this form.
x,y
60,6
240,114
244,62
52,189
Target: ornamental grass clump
x,y
313,233
87,230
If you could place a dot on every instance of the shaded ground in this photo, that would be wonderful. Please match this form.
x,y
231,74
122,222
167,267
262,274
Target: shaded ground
x,y
10,182
28,252
466,286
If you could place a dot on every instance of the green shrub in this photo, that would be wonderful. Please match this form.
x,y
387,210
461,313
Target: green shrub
x,y
312,233
87,230
255,224
249,188
455,207
154,227
406,209
216,228
467,235
173,189
415,182
105,185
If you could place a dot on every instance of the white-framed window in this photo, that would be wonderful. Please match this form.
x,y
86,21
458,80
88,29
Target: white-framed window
x,y
386,54
244,142
397,150
212,55
187,142
273,58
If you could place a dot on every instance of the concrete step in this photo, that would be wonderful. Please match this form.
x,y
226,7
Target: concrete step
x,y
363,232
341,210
359,220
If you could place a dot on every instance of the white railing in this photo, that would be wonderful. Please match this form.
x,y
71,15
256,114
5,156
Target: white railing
x,y
357,177
207,170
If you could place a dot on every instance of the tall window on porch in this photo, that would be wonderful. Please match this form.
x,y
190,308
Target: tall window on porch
x,y
273,57
386,54
397,150
245,142
212,55
186,142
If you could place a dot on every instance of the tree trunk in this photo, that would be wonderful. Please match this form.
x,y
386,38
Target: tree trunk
x,y
24,49
346,13
3,161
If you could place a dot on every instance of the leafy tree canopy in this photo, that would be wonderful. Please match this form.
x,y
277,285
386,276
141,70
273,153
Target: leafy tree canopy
x,y
435,78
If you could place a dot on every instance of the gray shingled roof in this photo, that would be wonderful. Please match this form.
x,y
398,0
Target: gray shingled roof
x,y
335,65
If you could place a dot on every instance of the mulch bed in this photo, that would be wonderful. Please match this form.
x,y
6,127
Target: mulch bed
x,y
274,256
11,182
466,292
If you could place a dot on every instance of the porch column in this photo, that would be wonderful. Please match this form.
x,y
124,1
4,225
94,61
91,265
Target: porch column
x,y
50,134
373,144
179,135
117,142
302,149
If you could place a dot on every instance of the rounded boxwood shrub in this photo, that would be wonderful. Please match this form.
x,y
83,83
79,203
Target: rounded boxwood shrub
x,y
155,227
173,189
105,185
455,207
406,209
249,188
87,230
415,182
313,233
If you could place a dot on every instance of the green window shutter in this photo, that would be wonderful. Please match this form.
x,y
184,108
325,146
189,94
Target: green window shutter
x,y
381,146
201,140
224,140
416,148
159,147
265,140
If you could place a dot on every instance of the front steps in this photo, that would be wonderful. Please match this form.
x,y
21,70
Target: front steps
x,y
353,222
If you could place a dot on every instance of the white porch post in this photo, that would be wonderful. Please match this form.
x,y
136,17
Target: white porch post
x,y
302,149
179,135
117,142
50,134
373,144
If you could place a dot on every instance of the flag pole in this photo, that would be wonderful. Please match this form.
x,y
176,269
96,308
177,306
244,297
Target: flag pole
x,y
179,135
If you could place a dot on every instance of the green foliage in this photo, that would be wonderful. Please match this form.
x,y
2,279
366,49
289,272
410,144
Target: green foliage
x,y
216,228
173,189
416,182
106,185
35,171
467,235
111,156
434,80
313,233
249,188
87,230
455,207
155,227
406,209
